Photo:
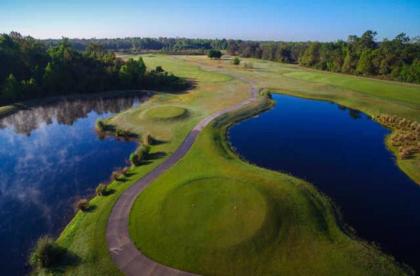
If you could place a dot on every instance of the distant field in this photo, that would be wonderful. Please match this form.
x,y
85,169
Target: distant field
x,y
371,96
398,92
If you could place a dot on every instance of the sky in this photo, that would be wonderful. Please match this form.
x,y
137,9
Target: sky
x,y
287,20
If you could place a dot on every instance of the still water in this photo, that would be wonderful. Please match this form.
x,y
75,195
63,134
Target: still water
x,y
342,152
49,157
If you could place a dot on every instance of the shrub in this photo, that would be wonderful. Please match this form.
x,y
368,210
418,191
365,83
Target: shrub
x,y
215,54
124,171
406,134
46,253
100,125
236,61
101,190
83,205
147,139
115,175
137,157
122,133
134,159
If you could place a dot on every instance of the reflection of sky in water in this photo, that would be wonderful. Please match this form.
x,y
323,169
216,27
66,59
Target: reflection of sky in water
x,y
342,152
48,157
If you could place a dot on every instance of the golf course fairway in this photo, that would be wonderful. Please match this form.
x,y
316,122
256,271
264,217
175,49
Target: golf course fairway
x,y
215,214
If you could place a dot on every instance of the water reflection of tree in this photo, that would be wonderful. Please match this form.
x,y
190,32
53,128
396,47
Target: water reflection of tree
x,y
65,112
354,114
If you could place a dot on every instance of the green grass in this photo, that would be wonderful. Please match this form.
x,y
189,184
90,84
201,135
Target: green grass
x,y
166,113
370,96
85,234
398,92
226,217
215,214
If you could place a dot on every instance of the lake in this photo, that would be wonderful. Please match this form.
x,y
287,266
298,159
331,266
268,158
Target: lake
x,y
342,152
50,156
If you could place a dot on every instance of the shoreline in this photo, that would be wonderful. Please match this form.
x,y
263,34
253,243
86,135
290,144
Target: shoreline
x,y
10,109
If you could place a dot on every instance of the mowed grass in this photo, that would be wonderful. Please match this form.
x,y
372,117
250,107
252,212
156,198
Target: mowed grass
x,y
85,234
214,214
368,95
398,92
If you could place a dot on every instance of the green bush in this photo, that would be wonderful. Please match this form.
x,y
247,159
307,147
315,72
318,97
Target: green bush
x,y
46,254
236,61
214,54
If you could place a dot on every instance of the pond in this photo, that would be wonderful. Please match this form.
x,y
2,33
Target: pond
x,y
50,156
342,152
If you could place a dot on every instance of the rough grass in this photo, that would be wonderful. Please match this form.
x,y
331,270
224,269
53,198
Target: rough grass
x,y
166,113
226,217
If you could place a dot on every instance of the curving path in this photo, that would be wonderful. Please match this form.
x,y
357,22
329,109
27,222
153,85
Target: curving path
x,y
123,251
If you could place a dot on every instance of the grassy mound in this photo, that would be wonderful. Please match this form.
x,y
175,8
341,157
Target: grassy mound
x,y
211,201
166,113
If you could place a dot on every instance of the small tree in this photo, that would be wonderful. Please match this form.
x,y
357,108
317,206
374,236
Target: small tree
x,y
236,61
83,205
101,190
215,54
12,89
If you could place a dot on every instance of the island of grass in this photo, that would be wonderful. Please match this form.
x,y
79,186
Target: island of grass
x,y
213,213
166,113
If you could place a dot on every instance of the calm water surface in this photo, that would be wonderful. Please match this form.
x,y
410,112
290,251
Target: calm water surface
x,y
49,157
342,152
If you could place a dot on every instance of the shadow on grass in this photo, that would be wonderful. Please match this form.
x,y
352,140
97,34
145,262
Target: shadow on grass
x,y
156,142
67,259
90,209
155,155
108,192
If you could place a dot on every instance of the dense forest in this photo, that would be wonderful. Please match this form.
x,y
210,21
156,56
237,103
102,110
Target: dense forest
x,y
30,69
396,59
138,44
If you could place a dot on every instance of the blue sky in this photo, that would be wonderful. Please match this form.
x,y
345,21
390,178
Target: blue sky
x,y
243,19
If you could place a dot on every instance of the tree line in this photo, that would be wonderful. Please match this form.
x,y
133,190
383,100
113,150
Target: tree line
x,y
30,69
396,59
132,44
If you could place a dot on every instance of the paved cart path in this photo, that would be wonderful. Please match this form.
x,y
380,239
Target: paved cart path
x,y
123,251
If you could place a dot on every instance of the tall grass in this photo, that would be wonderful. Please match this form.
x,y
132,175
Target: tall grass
x,y
406,136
